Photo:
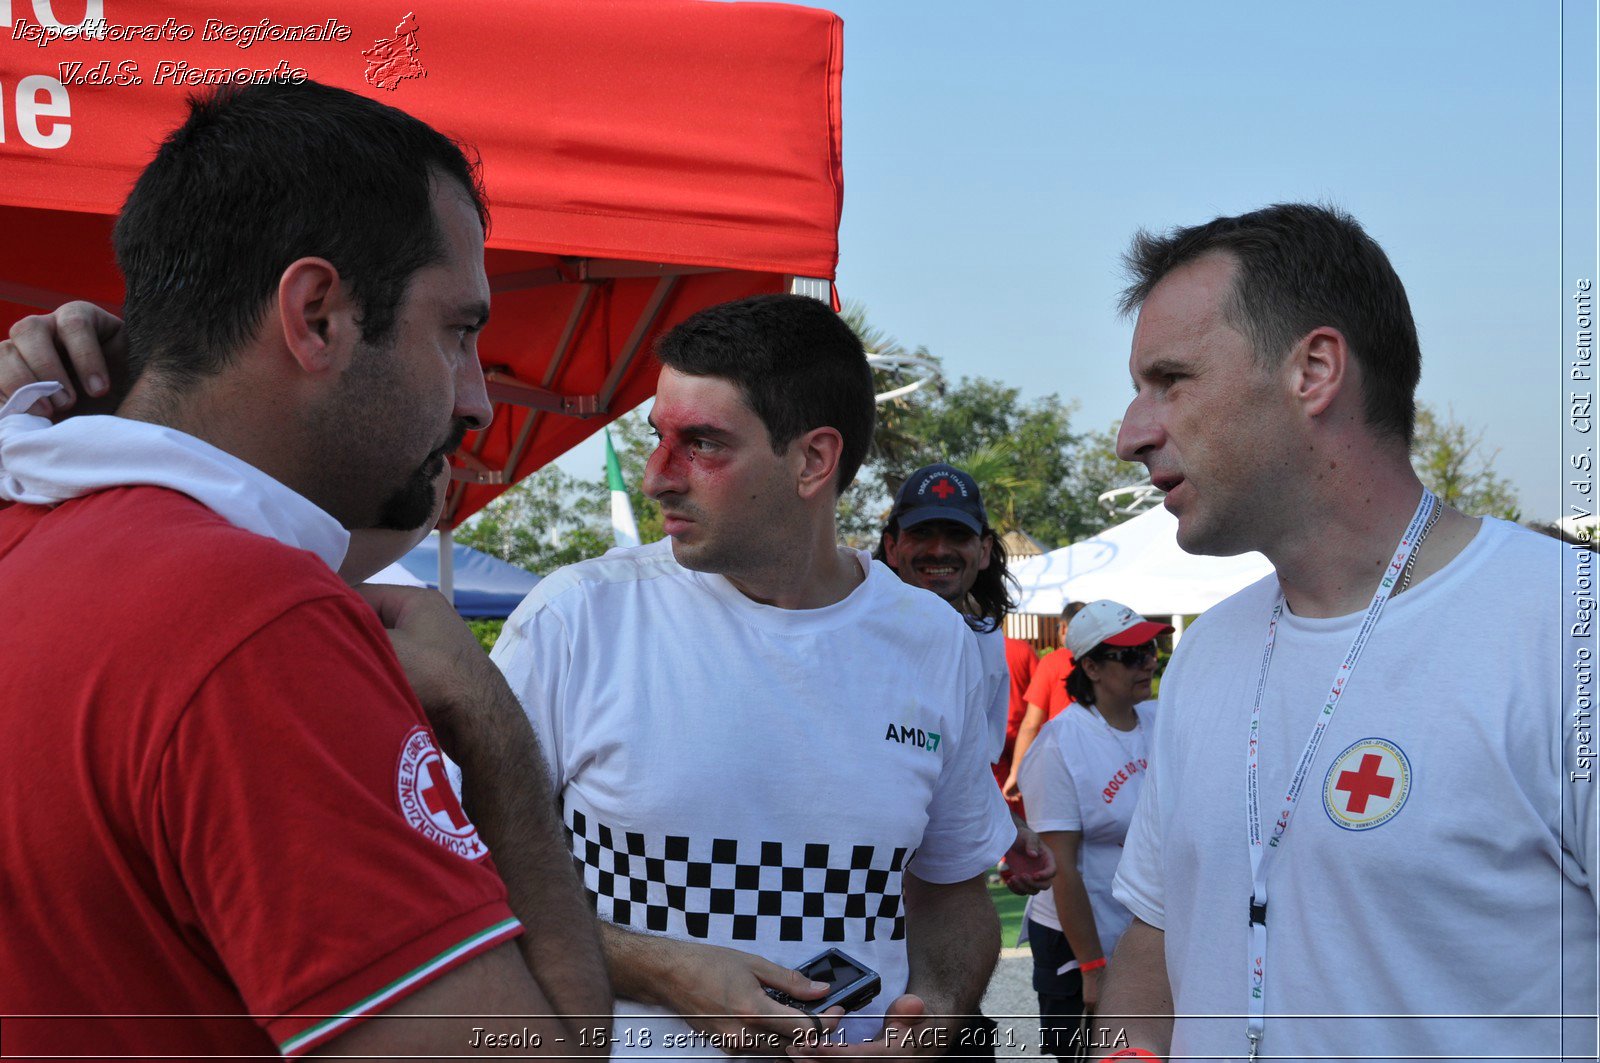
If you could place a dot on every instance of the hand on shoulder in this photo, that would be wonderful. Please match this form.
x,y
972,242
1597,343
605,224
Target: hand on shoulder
x,y
459,687
78,345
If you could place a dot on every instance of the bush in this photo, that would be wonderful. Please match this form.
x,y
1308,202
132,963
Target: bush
x,y
487,631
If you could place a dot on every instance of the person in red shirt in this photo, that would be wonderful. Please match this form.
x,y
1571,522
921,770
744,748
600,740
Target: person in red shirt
x,y
1021,663
1046,697
226,810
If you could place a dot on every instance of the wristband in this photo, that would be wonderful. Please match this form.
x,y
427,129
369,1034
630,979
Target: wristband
x,y
1129,1053
1093,965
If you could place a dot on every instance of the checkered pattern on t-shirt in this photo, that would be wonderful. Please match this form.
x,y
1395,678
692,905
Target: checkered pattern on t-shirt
x,y
723,889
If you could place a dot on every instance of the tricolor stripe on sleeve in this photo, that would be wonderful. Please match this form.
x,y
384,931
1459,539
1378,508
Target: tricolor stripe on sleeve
x,y
328,1027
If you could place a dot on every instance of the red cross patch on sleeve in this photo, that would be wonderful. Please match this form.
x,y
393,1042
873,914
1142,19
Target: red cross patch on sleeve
x,y
428,802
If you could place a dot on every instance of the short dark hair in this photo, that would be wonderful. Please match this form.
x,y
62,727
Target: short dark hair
x,y
257,177
1080,687
1301,267
991,591
796,362
1072,609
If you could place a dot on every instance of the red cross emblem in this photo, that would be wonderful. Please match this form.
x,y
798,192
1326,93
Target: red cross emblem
x,y
1367,784
943,489
426,799
439,798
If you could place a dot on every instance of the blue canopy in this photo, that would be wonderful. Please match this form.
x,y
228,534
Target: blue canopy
x,y
485,586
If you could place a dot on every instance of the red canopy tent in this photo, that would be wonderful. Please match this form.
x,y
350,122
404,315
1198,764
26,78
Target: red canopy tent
x,y
643,158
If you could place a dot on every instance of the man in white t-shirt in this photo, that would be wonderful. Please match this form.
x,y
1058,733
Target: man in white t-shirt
x,y
1416,879
766,745
938,538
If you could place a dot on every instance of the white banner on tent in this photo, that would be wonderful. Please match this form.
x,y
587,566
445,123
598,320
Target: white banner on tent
x,y
1138,563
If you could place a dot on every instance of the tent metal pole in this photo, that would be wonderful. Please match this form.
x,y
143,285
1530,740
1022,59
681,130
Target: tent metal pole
x,y
557,359
630,350
818,288
1177,629
563,346
447,566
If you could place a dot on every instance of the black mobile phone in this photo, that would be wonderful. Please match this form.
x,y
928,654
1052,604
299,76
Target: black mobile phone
x,y
852,985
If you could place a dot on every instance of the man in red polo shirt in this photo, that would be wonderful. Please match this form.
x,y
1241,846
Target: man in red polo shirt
x,y
1046,697
224,807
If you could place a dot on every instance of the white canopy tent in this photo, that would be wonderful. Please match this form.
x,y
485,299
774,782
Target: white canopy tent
x,y
1138,563
1579,525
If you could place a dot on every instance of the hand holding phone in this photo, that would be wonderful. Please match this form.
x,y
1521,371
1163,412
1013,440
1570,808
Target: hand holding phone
x,y
852,985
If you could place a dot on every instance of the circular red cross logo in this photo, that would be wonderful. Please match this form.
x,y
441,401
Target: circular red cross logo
x,y
428,802
1367,784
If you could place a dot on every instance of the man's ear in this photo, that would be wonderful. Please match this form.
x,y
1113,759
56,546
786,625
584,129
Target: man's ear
x,y
318,315
1321,369
818,451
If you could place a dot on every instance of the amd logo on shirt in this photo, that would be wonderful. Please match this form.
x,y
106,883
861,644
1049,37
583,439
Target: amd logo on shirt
x,y
914,736
1126,772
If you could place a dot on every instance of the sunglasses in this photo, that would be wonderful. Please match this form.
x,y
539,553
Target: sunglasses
x,y
1129,656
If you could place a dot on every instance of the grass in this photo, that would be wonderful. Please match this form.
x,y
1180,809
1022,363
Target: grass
x,y
1009,907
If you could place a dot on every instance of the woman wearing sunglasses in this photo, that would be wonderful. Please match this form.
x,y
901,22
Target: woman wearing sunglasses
x,y
1080,781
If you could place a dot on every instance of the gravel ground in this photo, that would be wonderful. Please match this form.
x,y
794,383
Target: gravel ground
x,y
1011,1003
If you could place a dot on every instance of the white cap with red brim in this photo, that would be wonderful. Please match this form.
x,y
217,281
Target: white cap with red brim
x,y
1112,623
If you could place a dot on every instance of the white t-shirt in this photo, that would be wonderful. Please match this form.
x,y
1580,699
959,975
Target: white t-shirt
x,y
1081,775
752,777
997,676
1440,860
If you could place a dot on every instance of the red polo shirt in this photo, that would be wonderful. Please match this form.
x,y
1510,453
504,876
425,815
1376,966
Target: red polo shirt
x,y
221,798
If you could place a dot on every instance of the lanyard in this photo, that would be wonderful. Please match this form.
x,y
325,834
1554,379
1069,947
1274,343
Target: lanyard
x,y
1261,854
1116,735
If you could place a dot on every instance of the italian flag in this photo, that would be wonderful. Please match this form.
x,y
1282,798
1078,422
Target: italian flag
x,y
623,530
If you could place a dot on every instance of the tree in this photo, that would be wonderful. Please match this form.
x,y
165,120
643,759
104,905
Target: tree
x,y
1098,470
1036,473
635,441
891,443
548,520
553,518
1451,460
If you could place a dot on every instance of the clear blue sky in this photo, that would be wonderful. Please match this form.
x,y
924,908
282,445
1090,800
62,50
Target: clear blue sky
x,y
997,159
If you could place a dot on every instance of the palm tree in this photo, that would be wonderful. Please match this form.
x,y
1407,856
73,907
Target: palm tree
x,y
891,447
